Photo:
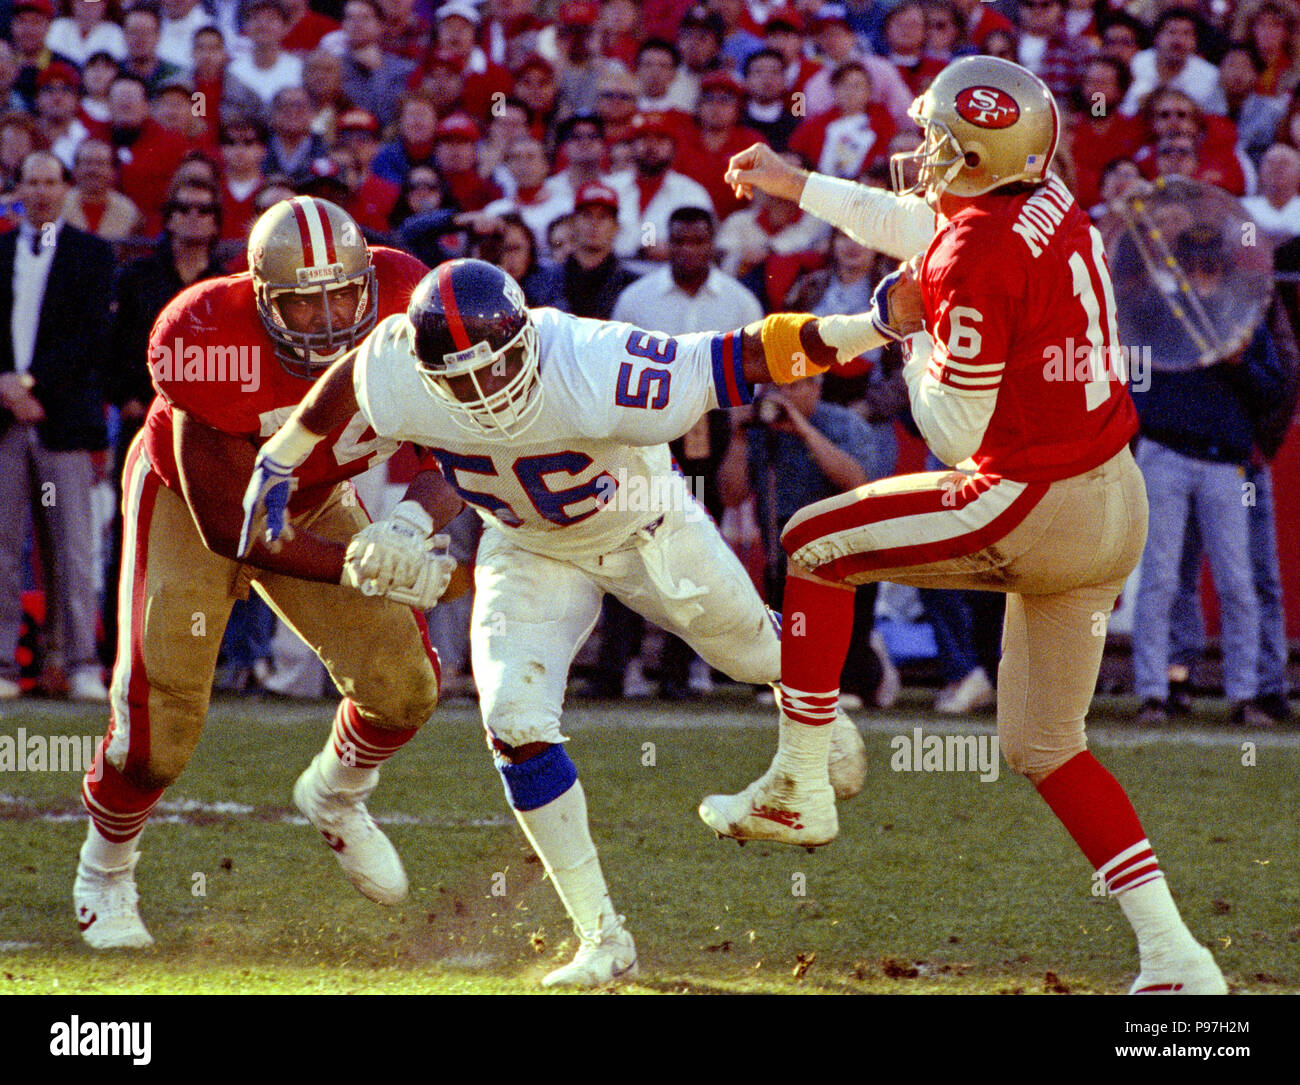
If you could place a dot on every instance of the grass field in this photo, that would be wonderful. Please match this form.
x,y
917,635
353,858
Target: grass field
x,y
938,882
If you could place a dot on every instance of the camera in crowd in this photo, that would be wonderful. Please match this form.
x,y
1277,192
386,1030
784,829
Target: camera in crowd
x,y
768,409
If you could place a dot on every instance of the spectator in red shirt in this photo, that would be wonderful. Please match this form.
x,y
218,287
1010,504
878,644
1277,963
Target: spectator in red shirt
x,y
1098,132
715,137
847,140
442,81
618,31
1171,116
457,26
784,32
904,32
222,92
147,154
306,27
243,150
456,156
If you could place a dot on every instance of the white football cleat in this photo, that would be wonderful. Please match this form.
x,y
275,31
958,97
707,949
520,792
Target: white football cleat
x,y
607,958
108,907
366,855
775,808
1195,974
848,760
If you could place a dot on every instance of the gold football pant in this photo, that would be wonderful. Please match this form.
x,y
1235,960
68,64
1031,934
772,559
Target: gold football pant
x,y
174,598
1061,551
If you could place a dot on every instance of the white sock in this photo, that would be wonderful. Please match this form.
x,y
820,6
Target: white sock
x,y
1154,917
803,751
100,853
561,837
340,777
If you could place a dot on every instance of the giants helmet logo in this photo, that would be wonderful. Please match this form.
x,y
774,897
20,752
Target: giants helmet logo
x,y
987,107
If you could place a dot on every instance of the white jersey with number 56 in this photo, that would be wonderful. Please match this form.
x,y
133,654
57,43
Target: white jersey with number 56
x,y
594,467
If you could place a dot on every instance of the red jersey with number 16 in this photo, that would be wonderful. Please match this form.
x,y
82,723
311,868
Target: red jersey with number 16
x,y
210,357
1019,301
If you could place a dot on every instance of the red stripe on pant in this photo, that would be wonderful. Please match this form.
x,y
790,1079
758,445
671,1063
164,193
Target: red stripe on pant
x,y
137,693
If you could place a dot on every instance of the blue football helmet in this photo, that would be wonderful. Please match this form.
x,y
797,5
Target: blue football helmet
x,y
472,330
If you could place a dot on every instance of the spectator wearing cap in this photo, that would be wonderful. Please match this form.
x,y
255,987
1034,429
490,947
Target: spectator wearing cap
x,y
784,32
619,31
373,78
592,277
848,140
243,151
981,20
293,146
1276,210
1255,115
741,34
268,68
1172,61
1097,132
147,154
86,31
406,33
770,226
92,203
616,96
181,20
140,29
217,86
768,108
307,28
905,45
537,87
836,44
578,64
358,131
658,65
656,188
417,130
27,30
716,135
532,201
456,156
57,101
457,27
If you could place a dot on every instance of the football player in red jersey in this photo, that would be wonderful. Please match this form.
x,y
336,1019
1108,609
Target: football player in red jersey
x,y
1014,373
230,359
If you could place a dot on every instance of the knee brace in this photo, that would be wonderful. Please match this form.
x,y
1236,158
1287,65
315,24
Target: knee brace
x,y
539,780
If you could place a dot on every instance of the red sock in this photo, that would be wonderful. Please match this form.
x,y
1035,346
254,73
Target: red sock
x,y
1097,813
816,626
362,745
118,808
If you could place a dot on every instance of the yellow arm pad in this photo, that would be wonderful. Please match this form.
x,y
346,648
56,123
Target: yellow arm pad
x,y
783,352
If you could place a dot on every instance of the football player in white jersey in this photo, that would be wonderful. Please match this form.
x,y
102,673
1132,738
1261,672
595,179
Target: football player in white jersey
x,y
555,429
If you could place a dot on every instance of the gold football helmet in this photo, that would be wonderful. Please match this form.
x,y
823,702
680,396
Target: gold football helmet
x,y
308,246
987,122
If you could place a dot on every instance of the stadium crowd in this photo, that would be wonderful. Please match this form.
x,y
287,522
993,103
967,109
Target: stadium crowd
x,y
581,147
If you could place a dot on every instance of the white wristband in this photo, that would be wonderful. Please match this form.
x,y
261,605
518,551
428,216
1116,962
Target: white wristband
x,y
849,335
291,444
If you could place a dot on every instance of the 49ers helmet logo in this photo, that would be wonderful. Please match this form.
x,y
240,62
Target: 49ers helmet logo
x,y
987,107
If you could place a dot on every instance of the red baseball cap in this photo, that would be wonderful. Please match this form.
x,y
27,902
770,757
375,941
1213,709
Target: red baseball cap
x,y
653,124
723,81
41,7
785,16
578,13
357,119
593,192
457,127
59,71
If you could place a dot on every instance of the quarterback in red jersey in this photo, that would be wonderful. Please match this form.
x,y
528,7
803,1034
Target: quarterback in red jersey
x,y
1015,376
230,359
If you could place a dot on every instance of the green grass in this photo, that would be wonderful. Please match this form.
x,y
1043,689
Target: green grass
x,y
937,883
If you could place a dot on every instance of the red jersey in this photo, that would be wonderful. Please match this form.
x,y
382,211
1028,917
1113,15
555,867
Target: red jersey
x,y
211,357
1018,299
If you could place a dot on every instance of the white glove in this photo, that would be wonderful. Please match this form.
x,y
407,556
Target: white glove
x,y
399,559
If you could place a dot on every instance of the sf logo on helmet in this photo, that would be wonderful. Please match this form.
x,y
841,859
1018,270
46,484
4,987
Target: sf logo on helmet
x,y
987,107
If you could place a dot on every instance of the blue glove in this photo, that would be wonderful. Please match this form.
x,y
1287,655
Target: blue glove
x,y
881,318
265,502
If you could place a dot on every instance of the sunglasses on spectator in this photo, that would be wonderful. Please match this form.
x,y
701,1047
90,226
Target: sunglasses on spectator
x,y
182,208
1173,114
616,94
